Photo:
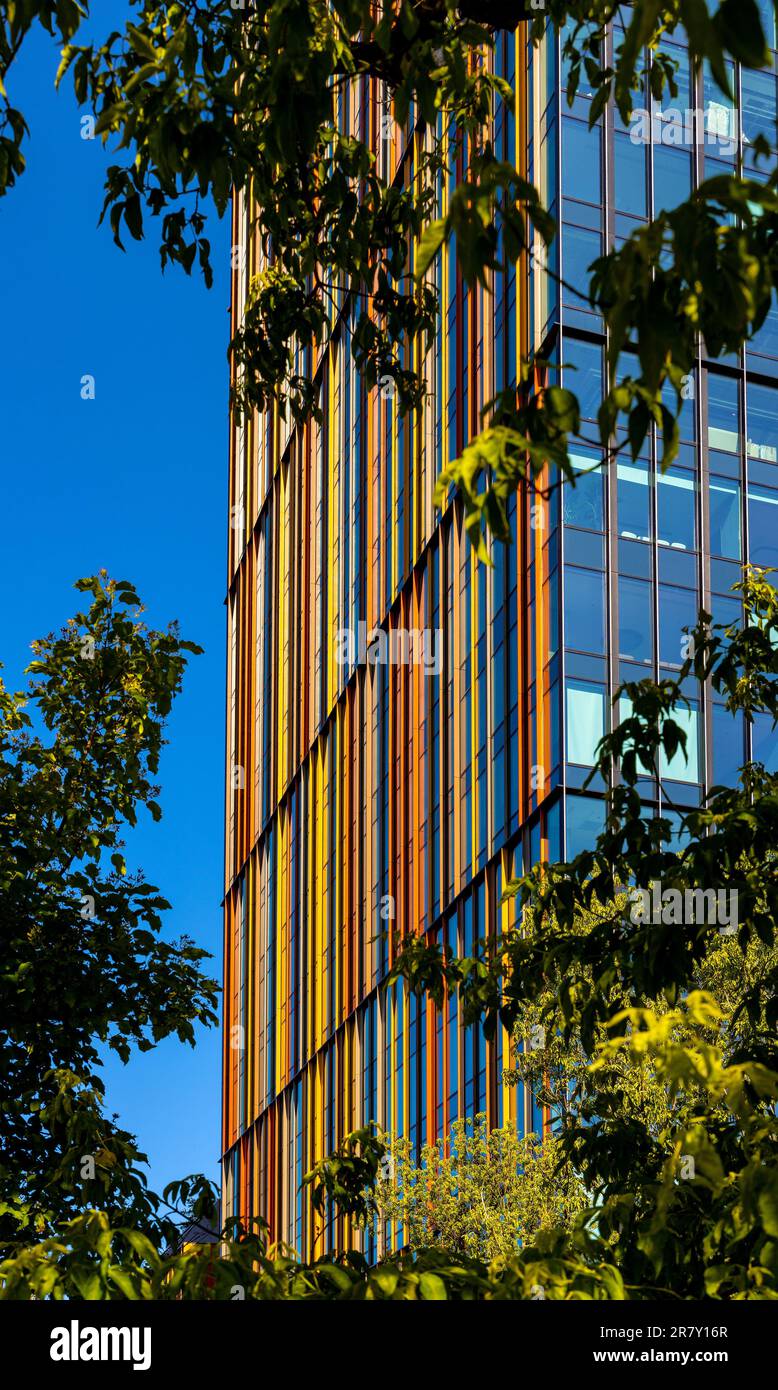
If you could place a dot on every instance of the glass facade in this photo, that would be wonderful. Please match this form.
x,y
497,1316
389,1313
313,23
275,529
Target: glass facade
x,y
369,797
642,551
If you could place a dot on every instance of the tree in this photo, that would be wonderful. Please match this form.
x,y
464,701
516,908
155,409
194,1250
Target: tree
x,y
85,965
480,1193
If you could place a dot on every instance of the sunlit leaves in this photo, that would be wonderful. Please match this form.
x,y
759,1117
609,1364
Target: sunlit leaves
x,y
477,1192
87,966
521,440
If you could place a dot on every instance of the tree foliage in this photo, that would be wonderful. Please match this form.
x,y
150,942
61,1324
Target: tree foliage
x,y
482,1193
85,965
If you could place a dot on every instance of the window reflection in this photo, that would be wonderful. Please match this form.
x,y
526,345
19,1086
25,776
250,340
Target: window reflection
x,y
720,123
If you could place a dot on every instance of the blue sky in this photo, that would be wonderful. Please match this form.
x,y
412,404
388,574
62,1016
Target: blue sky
x,y
134,481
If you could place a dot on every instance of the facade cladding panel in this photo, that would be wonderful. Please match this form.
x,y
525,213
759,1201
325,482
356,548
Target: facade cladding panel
x,y
365,798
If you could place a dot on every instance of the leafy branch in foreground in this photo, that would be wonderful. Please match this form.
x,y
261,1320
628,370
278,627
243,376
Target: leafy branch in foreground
x,y
212,102
87,1250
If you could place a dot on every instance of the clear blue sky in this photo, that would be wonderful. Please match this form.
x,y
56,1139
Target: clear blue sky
x,y
135,482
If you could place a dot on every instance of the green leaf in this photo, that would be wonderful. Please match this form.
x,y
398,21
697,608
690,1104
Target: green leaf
x,y
740,25
124,1282
142,1246
767,1203
431,241
432,1288
386,1279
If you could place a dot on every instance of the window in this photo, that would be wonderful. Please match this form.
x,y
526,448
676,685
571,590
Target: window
x,y
763,527
635,621
677,610
630,175
672,178
553,832
585,721
759,111
584,610
580,248
585,548
720,122
762,408
765,341
582,504
687,423
672,108
583,374
581,162
682,768
724,518
728,755
723,413
727,610
765,742
679,836
767,11
633,501
584,821
676,511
